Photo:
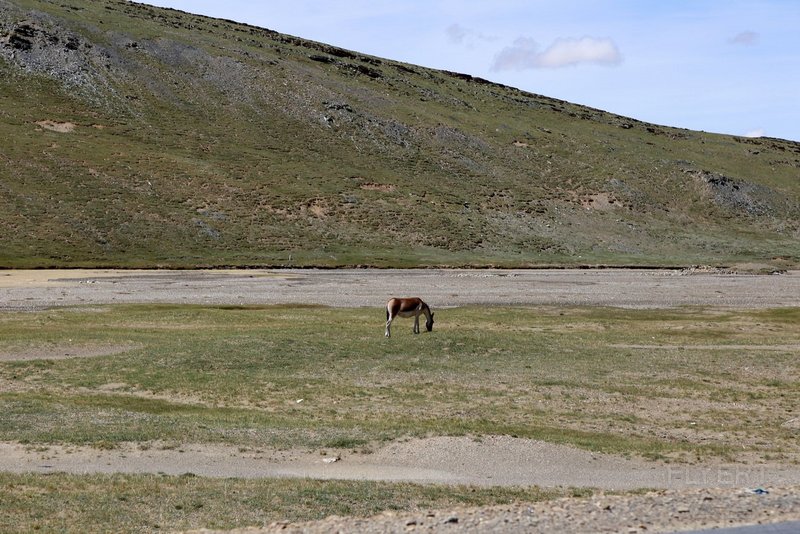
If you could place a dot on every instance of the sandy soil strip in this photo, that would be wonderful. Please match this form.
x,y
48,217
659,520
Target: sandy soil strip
x,y
49,277
20,278
489,461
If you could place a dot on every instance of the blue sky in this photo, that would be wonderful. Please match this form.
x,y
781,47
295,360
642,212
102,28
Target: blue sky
x,y
726,66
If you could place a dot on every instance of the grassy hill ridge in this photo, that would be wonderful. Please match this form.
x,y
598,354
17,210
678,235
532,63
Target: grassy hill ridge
x,y
137,136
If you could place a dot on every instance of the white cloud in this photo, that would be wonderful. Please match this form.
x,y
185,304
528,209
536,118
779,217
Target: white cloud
x,y
744,38
564,52
758,132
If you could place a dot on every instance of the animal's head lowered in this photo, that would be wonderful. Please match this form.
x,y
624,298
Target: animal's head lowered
x,y
429,323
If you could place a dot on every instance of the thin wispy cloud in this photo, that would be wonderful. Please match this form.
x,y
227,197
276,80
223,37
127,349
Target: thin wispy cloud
x,y
458,34
564,52
747,38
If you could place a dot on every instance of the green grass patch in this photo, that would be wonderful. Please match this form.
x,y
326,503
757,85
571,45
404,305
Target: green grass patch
x,y
604,379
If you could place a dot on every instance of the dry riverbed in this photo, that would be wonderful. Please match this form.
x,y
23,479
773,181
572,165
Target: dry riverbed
x,y
629,288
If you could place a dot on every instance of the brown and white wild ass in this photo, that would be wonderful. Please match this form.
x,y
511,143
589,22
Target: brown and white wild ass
x,y
406,307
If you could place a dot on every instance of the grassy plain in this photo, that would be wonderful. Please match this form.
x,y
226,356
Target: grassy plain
x,y
681,385
657,383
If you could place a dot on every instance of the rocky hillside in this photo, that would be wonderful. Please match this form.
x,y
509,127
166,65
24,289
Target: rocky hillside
x,y
139,136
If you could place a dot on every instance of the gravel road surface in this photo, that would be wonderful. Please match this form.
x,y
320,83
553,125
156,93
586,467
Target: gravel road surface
x,y
630,288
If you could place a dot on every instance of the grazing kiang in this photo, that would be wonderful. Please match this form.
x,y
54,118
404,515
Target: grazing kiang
x,y
408,307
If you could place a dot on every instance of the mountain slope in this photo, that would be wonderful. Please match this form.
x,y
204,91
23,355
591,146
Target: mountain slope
x,y
140,136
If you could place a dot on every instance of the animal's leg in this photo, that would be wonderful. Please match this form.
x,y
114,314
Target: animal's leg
x,y
416,324
388,325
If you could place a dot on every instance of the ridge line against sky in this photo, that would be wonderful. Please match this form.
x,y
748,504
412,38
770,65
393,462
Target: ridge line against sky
x,y
724,66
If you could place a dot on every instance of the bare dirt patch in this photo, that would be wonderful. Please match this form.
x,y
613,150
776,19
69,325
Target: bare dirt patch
x,y
626,288
50,277
371,186
600,201
54,126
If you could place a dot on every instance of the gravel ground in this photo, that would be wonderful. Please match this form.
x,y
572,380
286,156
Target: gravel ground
x,y
630,288
662,511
